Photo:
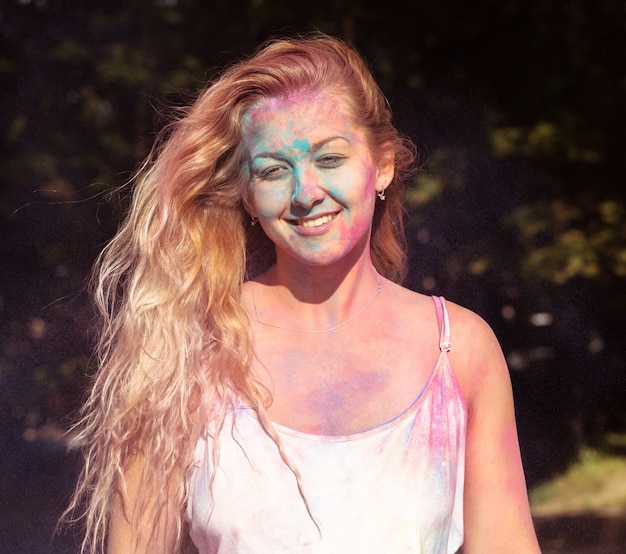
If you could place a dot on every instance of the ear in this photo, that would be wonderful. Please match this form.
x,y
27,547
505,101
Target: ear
x,y
385,171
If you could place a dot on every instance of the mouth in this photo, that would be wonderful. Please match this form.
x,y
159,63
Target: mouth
x,y
315,222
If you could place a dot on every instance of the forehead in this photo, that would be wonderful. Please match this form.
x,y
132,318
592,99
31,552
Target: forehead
x,y
301,115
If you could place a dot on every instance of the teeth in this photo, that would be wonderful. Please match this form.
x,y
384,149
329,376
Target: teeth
x,y
316,222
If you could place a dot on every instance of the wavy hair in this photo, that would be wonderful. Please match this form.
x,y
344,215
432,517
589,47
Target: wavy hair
x,y
174,339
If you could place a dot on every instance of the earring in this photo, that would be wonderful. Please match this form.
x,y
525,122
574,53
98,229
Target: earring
x,y
381,194
253,221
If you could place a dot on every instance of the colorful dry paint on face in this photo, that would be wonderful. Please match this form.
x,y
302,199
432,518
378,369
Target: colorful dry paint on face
x,y
312,177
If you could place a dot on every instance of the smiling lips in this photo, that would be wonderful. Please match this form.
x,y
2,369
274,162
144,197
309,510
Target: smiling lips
x,y
312,223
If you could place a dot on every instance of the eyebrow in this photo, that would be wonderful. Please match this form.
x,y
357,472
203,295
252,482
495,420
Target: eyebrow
x,y
318,145
314,148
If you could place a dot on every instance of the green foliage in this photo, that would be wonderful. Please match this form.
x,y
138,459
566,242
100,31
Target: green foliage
x,y
547,141
564,241
595,483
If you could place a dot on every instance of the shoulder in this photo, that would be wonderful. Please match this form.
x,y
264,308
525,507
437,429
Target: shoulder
x,y
473,341
469,329
413,313
406,301
466,326
476,355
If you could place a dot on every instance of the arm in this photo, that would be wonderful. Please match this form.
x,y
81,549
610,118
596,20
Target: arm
x,y
146,533
496,511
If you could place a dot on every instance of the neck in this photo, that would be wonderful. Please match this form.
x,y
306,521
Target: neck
x,y
315,299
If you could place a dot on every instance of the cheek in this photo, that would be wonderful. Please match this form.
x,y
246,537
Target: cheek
x,y
268,201
369,190
360,194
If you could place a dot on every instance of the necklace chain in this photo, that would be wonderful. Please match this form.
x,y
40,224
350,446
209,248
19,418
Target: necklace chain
x,y
379,288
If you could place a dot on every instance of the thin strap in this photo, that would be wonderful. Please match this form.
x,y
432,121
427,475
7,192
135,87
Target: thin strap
x,y
444,323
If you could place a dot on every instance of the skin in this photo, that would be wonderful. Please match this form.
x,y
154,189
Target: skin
x,y
121,538
309,162
312,186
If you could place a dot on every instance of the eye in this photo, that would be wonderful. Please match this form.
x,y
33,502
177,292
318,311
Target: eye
x,y
270,173
330,160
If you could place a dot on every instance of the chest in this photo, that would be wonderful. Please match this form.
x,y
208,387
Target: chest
x,y
338,385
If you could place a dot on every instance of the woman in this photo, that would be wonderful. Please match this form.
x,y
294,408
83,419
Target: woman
x,y
264,380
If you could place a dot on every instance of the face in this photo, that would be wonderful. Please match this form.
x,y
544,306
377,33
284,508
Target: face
x,y
313,180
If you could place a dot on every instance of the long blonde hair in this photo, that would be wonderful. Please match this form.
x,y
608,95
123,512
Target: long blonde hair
x,y
174,336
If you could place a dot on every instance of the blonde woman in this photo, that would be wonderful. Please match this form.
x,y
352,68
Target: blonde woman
x,y
265,383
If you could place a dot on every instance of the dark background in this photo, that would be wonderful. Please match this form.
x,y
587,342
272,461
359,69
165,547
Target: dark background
x,y
518,212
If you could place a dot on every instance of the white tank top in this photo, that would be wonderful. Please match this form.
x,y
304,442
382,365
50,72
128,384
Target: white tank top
x,y
397,488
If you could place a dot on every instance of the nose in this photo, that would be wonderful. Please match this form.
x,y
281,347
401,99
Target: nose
x,y
307,191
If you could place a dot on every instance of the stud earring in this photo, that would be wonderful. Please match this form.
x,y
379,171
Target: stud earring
x,y
381,194
253,221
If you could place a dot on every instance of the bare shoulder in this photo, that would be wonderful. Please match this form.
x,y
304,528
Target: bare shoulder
x,y
469,328
406,301
476,354
414,314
